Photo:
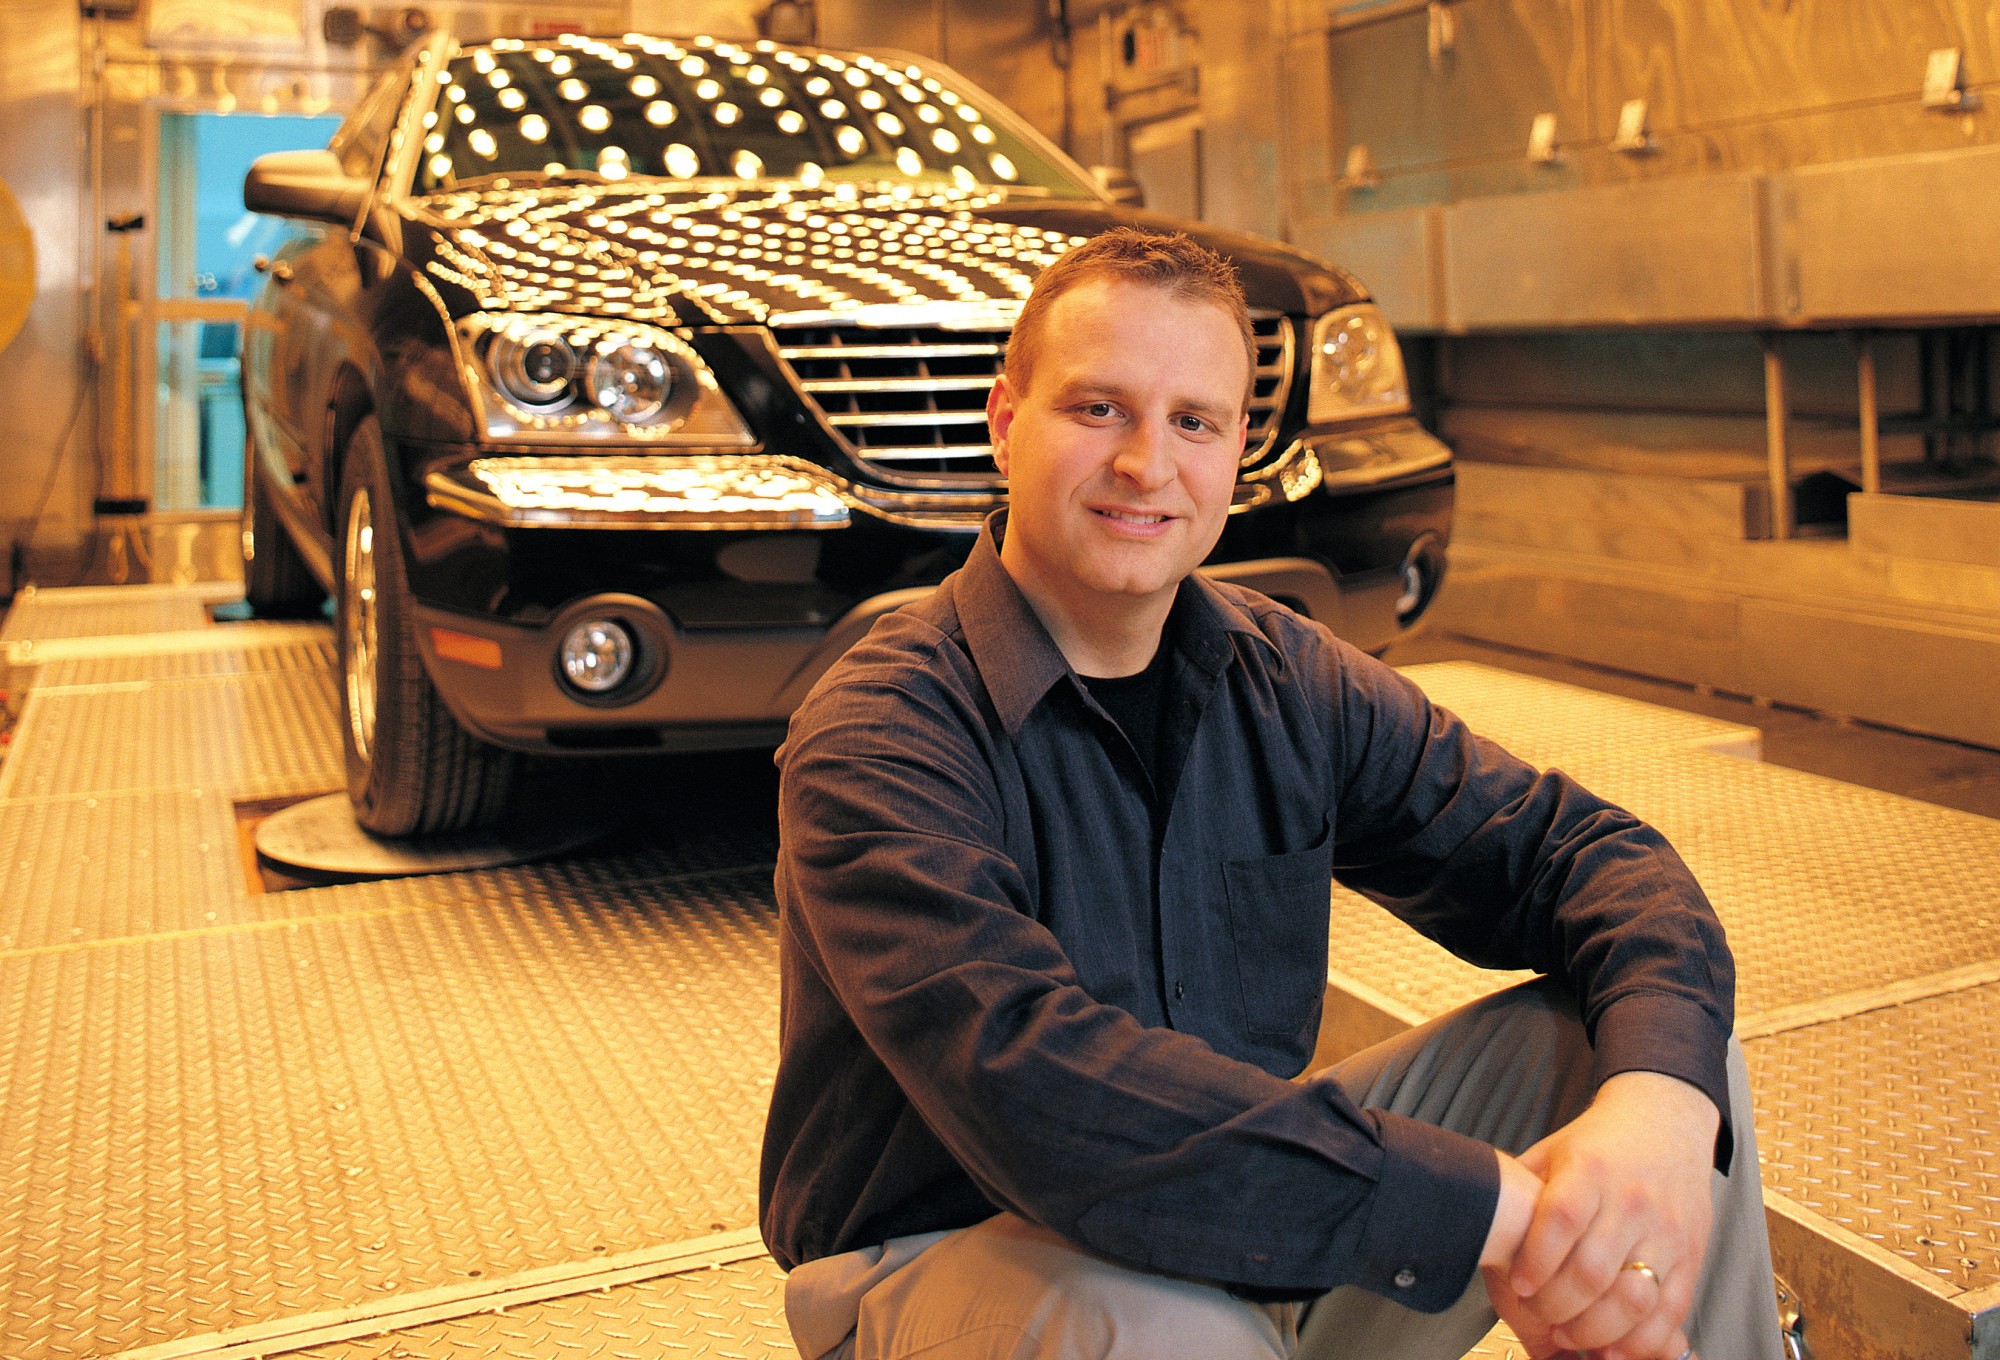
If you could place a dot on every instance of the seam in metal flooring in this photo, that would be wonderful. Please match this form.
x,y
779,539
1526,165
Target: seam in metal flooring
x,y
515,1112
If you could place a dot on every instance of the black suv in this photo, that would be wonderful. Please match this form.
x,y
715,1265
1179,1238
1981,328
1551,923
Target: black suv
x,y
626,382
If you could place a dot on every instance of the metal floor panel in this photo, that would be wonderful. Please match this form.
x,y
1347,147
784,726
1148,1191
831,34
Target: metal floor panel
x,y
231,653
1883,1122
92,867
92,611
269,735
216,1130
1825,888
729,1312
1547,723
222,1111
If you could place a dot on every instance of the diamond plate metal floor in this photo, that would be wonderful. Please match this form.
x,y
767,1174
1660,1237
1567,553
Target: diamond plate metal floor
x,y
270,734
224,1114
1884,1123
102,611
1825,888
733,1311
1546,723
428,1081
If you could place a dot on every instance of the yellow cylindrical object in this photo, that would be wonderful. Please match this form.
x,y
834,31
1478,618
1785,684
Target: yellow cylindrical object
x,y
17,267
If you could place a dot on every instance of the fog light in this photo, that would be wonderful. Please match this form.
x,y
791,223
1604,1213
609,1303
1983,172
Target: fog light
x,y
1422,569
597,655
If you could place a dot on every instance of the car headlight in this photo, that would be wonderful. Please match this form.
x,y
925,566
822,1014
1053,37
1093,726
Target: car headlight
x,y
1357,367
631,381
564,379
533,368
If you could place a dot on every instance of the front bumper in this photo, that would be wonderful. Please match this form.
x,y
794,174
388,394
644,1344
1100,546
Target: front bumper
x,y
759,572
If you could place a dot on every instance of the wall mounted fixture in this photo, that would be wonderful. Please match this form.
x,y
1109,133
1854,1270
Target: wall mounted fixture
x,y
1944,83
1360,171
1542,146
1632,138
1441,39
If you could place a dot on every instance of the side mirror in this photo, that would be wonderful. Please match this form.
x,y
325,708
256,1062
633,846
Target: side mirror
x,y
1119,184
308,184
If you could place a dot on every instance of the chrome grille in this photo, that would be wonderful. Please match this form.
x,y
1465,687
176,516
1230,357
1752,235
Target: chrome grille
x,y
1273,384
911,401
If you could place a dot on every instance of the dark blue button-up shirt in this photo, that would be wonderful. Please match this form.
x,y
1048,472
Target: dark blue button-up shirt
x,y
1006,986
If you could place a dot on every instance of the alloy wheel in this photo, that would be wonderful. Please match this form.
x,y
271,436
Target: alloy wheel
x,y
359,622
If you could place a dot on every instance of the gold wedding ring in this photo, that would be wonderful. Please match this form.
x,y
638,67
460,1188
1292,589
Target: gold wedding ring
x,y
1648,1272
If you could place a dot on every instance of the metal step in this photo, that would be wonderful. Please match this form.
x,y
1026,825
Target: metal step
x,y
39,613
1866,929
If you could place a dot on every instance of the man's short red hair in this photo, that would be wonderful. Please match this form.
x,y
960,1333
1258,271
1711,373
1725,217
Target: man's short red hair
x,y
1177,263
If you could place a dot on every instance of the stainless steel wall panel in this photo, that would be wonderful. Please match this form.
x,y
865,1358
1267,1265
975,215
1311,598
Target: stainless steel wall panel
x,y
1241,123
1704,372
1309,160
912,26
1896,237
1702,65
1512,60
1396,255
1005,48
1677,252
43,162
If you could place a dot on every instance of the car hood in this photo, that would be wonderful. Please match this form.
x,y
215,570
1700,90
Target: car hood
x,y
689,255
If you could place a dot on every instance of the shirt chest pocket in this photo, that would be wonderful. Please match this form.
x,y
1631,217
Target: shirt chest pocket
x,y
1278,906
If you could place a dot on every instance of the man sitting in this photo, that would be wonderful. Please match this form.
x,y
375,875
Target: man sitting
x,y
1056,853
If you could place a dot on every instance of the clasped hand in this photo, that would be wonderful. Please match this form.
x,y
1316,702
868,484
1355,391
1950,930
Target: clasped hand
x,y
1625,1184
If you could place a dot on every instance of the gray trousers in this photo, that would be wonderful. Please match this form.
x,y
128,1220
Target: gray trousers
x,y
1507,1069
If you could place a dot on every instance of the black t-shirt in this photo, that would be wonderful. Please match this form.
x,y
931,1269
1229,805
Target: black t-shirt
x,y
1137,704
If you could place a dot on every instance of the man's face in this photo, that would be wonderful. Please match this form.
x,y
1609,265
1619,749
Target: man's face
x,y
1121,455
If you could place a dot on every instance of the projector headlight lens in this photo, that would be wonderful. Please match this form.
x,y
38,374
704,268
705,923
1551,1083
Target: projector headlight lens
x,y
534,368
630,382
598,655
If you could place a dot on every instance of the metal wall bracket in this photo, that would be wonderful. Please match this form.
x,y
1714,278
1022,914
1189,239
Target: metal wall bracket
x,y
1441,38
1944,83
1542,146
1632,138
1360,171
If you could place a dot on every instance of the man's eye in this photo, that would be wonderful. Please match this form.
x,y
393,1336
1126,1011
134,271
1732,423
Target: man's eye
x,y
1192,424
1099,410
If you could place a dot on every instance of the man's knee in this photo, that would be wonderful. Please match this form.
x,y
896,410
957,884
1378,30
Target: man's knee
x,y
1007,1289
1506,1069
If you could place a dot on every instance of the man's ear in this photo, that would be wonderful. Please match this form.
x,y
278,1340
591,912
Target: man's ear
x,y
1000,419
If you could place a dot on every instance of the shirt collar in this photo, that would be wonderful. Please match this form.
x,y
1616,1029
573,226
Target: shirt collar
x,y
1020,662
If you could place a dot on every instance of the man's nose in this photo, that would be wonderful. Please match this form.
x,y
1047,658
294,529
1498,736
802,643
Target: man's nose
x,y
1145,457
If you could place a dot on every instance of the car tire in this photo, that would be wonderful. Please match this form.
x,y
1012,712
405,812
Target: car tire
x,y
277,584
411,769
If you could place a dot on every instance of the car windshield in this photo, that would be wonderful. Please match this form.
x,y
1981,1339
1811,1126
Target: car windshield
x,y
702,109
